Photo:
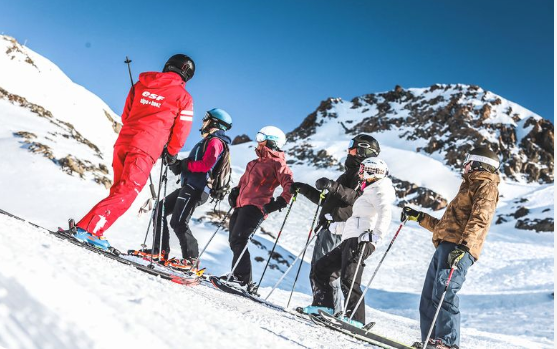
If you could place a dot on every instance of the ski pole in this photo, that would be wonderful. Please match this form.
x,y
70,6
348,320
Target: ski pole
x,y
128,61
151,186
276,241
215,233
352,286
453,267
290,267
163,216
156,213
377,268
245,249
321,197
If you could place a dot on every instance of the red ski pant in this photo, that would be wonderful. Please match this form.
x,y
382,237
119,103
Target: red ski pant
x,y
131,170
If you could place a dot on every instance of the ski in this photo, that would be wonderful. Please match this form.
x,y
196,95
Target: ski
x,y
355,332
114,254
228,288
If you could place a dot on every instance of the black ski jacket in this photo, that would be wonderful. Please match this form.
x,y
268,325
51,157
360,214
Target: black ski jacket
x,y
340,198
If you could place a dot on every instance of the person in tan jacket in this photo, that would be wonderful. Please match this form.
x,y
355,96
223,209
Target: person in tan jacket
x,y
458,236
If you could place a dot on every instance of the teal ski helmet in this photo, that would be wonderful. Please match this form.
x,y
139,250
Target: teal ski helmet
x,y
219,119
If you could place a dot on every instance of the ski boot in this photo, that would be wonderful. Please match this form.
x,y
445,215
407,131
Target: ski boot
x,y
251,287
352,322
94,240
433,344
185,264
147,255
314,310
235,282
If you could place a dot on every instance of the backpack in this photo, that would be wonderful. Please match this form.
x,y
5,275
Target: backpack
x,y
219,176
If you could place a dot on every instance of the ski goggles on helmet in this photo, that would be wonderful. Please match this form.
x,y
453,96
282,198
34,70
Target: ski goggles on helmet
x,y
207,117
479,158
364,150
353,145
261,137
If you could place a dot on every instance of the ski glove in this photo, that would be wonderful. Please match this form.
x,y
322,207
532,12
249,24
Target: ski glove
x,y
456,255
408,213
176,167
274,205
233,196
167,158
302,188
323,183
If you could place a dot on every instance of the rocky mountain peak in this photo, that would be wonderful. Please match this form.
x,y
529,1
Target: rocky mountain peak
x,y
449,120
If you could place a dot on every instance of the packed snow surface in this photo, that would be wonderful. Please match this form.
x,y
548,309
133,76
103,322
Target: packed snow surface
x,y
54,294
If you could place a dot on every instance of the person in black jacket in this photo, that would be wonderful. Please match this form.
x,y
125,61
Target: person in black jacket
x,y
182,202
336,207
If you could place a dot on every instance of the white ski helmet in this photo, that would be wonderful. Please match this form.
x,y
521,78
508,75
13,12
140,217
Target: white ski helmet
x,y
373,168
273,135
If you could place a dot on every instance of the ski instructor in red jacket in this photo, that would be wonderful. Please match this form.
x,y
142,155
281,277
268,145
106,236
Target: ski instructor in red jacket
x,y
158,113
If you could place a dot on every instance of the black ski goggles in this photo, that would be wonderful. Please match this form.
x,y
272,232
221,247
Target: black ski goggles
x,y
363,150
207,117
353,145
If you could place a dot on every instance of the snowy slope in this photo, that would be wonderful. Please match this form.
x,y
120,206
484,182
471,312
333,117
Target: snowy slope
x,y
52,294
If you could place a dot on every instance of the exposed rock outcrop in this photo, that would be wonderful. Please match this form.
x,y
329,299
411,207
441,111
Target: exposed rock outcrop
x,y
241,139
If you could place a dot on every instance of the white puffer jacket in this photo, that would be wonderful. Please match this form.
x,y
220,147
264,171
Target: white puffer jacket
x,y
371,211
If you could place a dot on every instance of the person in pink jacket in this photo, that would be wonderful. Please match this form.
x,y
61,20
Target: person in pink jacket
x,y
253,198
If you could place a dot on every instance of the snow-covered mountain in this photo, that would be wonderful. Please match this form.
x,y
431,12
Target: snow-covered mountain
x,y
56,140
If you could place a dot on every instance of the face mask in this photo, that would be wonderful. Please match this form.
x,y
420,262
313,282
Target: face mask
x,y
352,162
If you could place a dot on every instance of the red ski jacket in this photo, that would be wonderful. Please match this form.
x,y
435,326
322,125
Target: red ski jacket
x,y
158,112
261,178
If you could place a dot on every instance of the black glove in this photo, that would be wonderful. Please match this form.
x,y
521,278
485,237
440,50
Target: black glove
x,y
274,205
456,255
176,167
233,196
167,158
323,183
302,188
408,213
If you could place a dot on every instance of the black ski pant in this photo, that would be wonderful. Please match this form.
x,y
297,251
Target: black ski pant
x,y
243,223
181,203
324,243
343,259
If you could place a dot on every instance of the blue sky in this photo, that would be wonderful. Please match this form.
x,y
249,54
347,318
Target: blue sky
x,y
272,62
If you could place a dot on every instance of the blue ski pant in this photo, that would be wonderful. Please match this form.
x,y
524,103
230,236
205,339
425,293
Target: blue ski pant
x,y
447,325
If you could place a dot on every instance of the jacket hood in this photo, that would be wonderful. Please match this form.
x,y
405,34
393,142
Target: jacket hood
x,y
265,152
222,136
482,176
155,79
366,187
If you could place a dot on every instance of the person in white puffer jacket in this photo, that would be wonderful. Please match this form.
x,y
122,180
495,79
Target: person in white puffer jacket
x,y
370,221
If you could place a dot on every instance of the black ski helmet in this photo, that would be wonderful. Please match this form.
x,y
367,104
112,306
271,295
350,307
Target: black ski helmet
x,y
482,159
366,146
181,64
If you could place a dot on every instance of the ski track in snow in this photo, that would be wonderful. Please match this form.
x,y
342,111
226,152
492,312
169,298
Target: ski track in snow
x,y
55,295
72,295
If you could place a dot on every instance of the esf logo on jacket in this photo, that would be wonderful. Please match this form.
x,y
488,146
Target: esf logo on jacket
x,y
153,98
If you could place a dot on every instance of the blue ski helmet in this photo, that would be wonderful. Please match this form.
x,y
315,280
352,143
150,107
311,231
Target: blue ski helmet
x,y
220,119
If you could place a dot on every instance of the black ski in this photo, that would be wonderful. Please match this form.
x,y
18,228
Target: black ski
x,y
114,254
355,332
228,288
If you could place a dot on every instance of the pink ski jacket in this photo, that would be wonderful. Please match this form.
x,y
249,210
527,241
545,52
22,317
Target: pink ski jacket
x,y
263,175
